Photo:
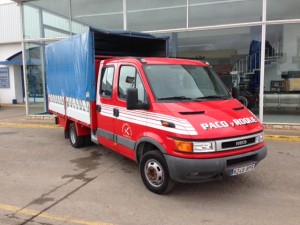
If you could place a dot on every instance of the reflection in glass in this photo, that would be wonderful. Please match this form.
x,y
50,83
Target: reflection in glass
x,y
143,15
35,80
282,10
46,19
206,13
98,14
282,74
233,53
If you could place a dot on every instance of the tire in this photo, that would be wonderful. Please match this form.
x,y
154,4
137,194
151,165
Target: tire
x,y
87,140
155,174
76,141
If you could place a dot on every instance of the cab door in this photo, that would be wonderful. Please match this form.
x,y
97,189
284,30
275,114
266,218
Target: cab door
x,y
129,124
105,106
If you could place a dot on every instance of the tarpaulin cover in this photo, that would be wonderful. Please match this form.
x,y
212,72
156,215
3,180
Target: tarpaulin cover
x,y
70,69
70,63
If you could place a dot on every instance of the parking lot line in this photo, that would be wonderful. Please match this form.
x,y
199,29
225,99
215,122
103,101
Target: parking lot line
x,y
30,125
30,212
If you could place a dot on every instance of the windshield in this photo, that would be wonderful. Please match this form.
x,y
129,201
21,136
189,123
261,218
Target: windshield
x,y
185,82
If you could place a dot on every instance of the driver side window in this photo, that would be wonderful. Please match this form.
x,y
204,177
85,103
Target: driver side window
x,y
130,78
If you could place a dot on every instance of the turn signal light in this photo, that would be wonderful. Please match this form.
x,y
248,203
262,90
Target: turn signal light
x,y
184,146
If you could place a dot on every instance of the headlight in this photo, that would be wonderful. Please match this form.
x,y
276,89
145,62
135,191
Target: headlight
x,y
208,146
260,137
195,147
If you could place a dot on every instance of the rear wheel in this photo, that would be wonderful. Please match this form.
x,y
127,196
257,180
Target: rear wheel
x,y
75,140
155,174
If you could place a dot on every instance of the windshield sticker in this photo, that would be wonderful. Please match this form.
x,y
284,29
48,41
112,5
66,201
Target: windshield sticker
x,y
233,123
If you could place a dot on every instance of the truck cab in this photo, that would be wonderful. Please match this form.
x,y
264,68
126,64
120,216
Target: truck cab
x,y
176,119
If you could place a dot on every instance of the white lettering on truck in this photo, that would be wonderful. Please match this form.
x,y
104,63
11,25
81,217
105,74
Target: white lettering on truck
x,y
214,125
244,121
224,124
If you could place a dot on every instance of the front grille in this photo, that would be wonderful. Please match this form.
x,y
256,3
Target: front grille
x,y
238,142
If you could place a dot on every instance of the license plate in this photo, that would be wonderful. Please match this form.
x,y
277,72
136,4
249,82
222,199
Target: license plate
x,y
240,170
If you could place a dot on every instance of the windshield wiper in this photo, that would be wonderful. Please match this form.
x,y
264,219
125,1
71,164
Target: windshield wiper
x,y
175,98
213,97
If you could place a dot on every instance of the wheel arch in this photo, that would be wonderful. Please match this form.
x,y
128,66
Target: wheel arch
x,y
146,144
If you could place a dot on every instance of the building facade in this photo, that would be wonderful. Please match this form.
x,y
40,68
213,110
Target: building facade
x,y
251,43
11,75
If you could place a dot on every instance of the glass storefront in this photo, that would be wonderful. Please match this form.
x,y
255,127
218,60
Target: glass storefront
x,y
99,14
283,10
44,20
233,53
143,15
282,74
223,12
35,78
226,33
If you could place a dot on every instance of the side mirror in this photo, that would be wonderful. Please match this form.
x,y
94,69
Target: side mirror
x,y
235,91
132,100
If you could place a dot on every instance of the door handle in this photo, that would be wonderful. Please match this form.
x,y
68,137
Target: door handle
x,y
116,112
98,108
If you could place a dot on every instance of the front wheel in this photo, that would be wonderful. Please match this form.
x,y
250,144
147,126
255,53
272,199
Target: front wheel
x,y
155,174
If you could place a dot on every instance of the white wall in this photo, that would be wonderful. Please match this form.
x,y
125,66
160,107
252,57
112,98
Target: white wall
x,y
15,90
10,23
18,84
5,1
15,79
7,50
7,94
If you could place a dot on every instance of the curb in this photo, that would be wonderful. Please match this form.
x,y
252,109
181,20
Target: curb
x,y
30,125
12,105
282,138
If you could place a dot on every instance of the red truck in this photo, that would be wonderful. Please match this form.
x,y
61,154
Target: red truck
x,y
174,117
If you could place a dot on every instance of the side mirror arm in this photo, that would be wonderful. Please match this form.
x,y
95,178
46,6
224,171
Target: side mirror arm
x,y
235,92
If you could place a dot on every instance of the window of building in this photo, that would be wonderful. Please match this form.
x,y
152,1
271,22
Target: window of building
x,y
44,20
282,74
281,10
206,12
143,15
35,77
233,53
98,14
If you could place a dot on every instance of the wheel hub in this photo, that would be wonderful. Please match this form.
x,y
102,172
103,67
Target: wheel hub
x,y
154,173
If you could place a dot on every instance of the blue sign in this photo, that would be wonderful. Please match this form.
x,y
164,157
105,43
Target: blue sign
x,y
4,77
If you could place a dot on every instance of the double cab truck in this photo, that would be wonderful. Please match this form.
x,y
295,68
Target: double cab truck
x,y
173,117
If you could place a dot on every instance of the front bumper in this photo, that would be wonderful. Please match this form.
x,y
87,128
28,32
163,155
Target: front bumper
x,y
202,170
